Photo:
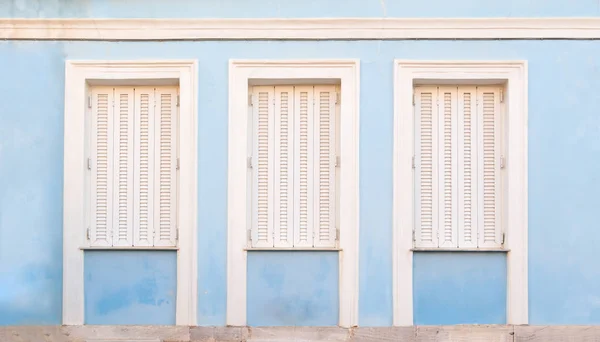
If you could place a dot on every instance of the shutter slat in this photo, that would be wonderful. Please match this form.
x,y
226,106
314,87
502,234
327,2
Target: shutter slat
x,y
324,166
489,168
263,191
284,167
165,194
468,174
448,166
304,165
102,167
144,162
426,168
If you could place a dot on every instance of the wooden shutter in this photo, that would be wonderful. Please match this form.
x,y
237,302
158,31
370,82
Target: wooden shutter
x,y
457,167
284,167
324,166
489,134
165,169
102,141
262,162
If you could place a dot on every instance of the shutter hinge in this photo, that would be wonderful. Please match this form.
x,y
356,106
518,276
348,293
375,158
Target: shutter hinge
x,y
89,101
249,162
337,161
89,163
414,236
250,101
413,162
178,99
501,95
249,234
177,233
414,98
177,166
87,233
502,162
503,237
337,234
338,97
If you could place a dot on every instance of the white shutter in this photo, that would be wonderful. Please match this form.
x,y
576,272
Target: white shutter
x,y
101,167
488,111
467,159
426,170
144,162
262,154
447,166
165,171
303,160
123,167
284,167
324,167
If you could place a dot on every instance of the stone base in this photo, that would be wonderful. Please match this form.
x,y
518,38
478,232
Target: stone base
x,y
462,333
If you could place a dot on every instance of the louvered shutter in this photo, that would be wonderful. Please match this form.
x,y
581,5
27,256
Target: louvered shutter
x,y
489,134
144,161
468,149
303,160
324,166
262,182
165,170
284,167
457,167
102,141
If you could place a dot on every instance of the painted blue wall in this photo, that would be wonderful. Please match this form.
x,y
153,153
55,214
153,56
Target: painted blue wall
x,y
564,146
296,9
130,287
459,288
292,289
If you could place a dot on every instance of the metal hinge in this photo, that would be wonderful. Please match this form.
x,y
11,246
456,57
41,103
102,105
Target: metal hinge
x,y
502,162
89,101
250,101
414,98
503,237
414,236
89,163
178,99
337,161
177,166
87,233
337,233
413,162
501,95
249,235
249,162
177,233
337,97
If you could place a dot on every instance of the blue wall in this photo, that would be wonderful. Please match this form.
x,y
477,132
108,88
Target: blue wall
x,y
292,289
130,287
459,288
564,145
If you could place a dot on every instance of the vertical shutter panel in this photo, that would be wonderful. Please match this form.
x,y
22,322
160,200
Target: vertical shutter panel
x,y
102,167
489,167
123,170
262,204
165,120
467,157
144,163
324,140
303,178
447,107
284,174
426,146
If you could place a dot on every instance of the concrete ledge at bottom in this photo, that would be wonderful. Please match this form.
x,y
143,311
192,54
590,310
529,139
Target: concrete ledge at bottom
x,y
461,333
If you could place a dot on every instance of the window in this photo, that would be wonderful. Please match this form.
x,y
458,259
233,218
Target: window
x,y
458,167
133,166
293,165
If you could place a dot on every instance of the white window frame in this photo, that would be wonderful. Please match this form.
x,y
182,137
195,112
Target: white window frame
x,y
241,74
79,76
514,75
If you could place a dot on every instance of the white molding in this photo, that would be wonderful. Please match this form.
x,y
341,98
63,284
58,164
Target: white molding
x,y
302,28
79,75
514,75
241,72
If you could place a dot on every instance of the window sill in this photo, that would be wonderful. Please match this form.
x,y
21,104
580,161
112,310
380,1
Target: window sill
x,y
429,249
129,248
298,249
